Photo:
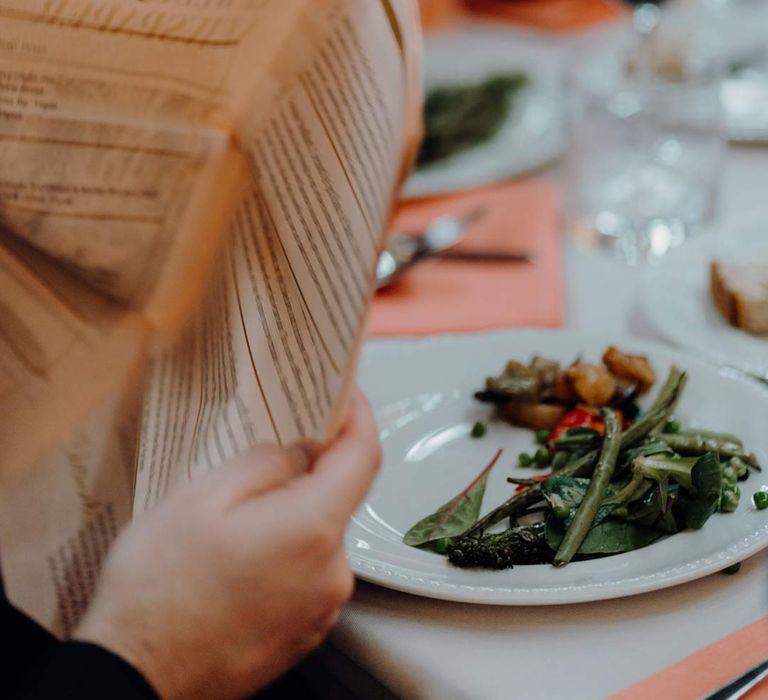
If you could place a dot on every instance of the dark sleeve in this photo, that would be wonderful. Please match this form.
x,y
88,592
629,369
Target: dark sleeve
x,y
82,671
34,665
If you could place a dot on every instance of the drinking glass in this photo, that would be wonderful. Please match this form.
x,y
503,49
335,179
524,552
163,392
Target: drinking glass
x,y
647,148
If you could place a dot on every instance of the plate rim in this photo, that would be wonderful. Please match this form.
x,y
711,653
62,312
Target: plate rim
x,y
387,574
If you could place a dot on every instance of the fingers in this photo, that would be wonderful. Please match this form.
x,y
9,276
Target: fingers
x,y
261,469
343,474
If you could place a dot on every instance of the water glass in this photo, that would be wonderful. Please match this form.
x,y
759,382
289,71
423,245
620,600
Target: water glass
x,y
647,150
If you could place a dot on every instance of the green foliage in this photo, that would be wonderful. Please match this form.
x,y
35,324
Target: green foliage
x,y
458,117
609,537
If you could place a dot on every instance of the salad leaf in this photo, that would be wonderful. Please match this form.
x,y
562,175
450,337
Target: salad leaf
x,y
454,517
609,537
569,491
705,498
654,510
661,468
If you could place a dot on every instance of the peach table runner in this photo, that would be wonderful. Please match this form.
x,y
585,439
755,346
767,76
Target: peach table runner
x,y
548,15
708,669
442,296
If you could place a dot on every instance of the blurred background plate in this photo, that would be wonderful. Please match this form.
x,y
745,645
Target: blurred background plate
x,y
677,297
745,104
535,131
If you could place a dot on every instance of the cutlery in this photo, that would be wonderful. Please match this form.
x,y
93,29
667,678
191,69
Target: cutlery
x,y
738,687
405,250
485,256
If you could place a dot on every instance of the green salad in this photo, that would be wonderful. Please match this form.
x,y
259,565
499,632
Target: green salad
x,y
615,485
458,117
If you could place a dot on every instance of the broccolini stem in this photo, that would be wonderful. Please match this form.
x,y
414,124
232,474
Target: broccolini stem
x,y
598,485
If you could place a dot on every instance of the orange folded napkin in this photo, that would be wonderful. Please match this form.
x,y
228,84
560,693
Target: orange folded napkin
x,y
447,296
436,14
552,15
708,669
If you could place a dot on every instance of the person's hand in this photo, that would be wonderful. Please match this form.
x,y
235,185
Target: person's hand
x,y
228,583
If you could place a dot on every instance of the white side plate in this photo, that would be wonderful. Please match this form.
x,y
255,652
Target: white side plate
x,y
677,298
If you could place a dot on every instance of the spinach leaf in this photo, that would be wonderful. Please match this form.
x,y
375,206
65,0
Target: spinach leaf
x,y
569,491
609,537
705,496
654,510
456,516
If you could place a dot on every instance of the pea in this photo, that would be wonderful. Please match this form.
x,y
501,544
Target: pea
x,y
760,500
672,426
542,436
524,459
478,430
541,457
561,511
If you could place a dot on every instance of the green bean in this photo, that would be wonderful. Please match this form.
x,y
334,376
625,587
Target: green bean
x,y
672,388
723,437
660,410
598,485
699,444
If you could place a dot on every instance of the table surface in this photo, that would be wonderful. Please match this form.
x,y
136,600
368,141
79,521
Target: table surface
x,y
422,648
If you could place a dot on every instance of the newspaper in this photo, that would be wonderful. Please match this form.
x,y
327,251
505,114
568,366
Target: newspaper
x,y
192,201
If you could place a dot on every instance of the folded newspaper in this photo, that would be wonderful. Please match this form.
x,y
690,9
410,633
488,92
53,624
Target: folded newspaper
x,y
192,200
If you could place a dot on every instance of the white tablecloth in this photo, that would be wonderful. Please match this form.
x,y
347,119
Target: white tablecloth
x,y
421,648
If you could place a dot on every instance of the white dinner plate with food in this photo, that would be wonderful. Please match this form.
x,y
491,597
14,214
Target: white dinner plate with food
x,y
678,300
534,131
422,391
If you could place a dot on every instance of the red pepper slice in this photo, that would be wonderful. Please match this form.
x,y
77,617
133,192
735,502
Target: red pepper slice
x,y
577,418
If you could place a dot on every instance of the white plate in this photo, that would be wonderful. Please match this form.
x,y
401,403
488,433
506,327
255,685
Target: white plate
x,y
677,299
422,394
534,133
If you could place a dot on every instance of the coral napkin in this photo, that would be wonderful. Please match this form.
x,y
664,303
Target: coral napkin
x,y
552,15
708,669
443,296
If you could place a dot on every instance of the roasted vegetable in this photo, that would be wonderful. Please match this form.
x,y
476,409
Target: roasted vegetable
x,y
633,368
533,415
595,385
